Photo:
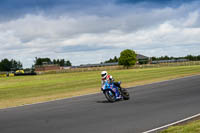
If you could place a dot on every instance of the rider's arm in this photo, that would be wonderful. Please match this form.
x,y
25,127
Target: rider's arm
x,y
111,78
102,84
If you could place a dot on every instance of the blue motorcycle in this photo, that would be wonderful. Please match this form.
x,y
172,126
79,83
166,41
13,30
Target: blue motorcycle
x,y
113,93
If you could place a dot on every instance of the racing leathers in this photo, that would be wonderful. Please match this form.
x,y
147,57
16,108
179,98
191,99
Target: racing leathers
x,y
110,80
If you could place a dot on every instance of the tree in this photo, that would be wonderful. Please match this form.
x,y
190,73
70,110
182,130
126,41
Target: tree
x,y
153,58
190,57
68,63
41,61
198,57
127,58
5,65
62,62
115,59
54,61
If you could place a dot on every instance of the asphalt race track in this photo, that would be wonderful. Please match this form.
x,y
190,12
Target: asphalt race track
x,y
150,106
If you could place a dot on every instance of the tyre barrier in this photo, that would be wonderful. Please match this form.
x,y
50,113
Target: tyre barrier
x,y
17,74
25,74
3,75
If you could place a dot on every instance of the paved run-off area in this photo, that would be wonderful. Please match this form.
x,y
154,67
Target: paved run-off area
x,y
150,106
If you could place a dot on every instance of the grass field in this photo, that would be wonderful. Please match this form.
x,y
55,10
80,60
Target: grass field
x,y
193,127
16,91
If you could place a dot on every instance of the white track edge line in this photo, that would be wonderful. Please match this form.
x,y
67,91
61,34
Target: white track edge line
x,y
171,124
96,93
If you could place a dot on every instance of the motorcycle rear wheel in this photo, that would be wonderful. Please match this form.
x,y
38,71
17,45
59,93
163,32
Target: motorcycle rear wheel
x,y
125,94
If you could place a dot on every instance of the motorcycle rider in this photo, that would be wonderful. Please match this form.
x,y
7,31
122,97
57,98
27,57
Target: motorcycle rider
x,y
105,77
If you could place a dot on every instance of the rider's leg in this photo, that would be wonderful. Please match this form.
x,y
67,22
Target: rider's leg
x,y
117,84
119,87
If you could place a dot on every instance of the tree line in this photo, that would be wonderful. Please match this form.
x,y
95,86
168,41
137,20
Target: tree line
x,y
13,65
127,58
46,61
188,57
115,59
10,65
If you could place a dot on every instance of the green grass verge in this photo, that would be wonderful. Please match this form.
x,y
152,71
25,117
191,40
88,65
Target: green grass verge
x,y
193,127
30,89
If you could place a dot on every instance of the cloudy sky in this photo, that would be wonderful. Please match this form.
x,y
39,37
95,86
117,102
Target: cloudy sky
x,y
92,31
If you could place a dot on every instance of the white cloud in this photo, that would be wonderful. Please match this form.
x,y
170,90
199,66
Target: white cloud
x,y
192,19
88,38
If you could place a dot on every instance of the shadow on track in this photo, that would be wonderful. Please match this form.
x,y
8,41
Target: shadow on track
x,y
106,101
103,101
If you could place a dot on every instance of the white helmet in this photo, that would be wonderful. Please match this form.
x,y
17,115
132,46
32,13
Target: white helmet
x,y
104,74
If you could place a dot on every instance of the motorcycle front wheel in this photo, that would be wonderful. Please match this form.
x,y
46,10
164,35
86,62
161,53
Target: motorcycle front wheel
x,y
110,95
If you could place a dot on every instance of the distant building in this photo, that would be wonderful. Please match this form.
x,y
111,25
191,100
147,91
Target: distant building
x,y
169,61
65,67
96,65
47,67
141,59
